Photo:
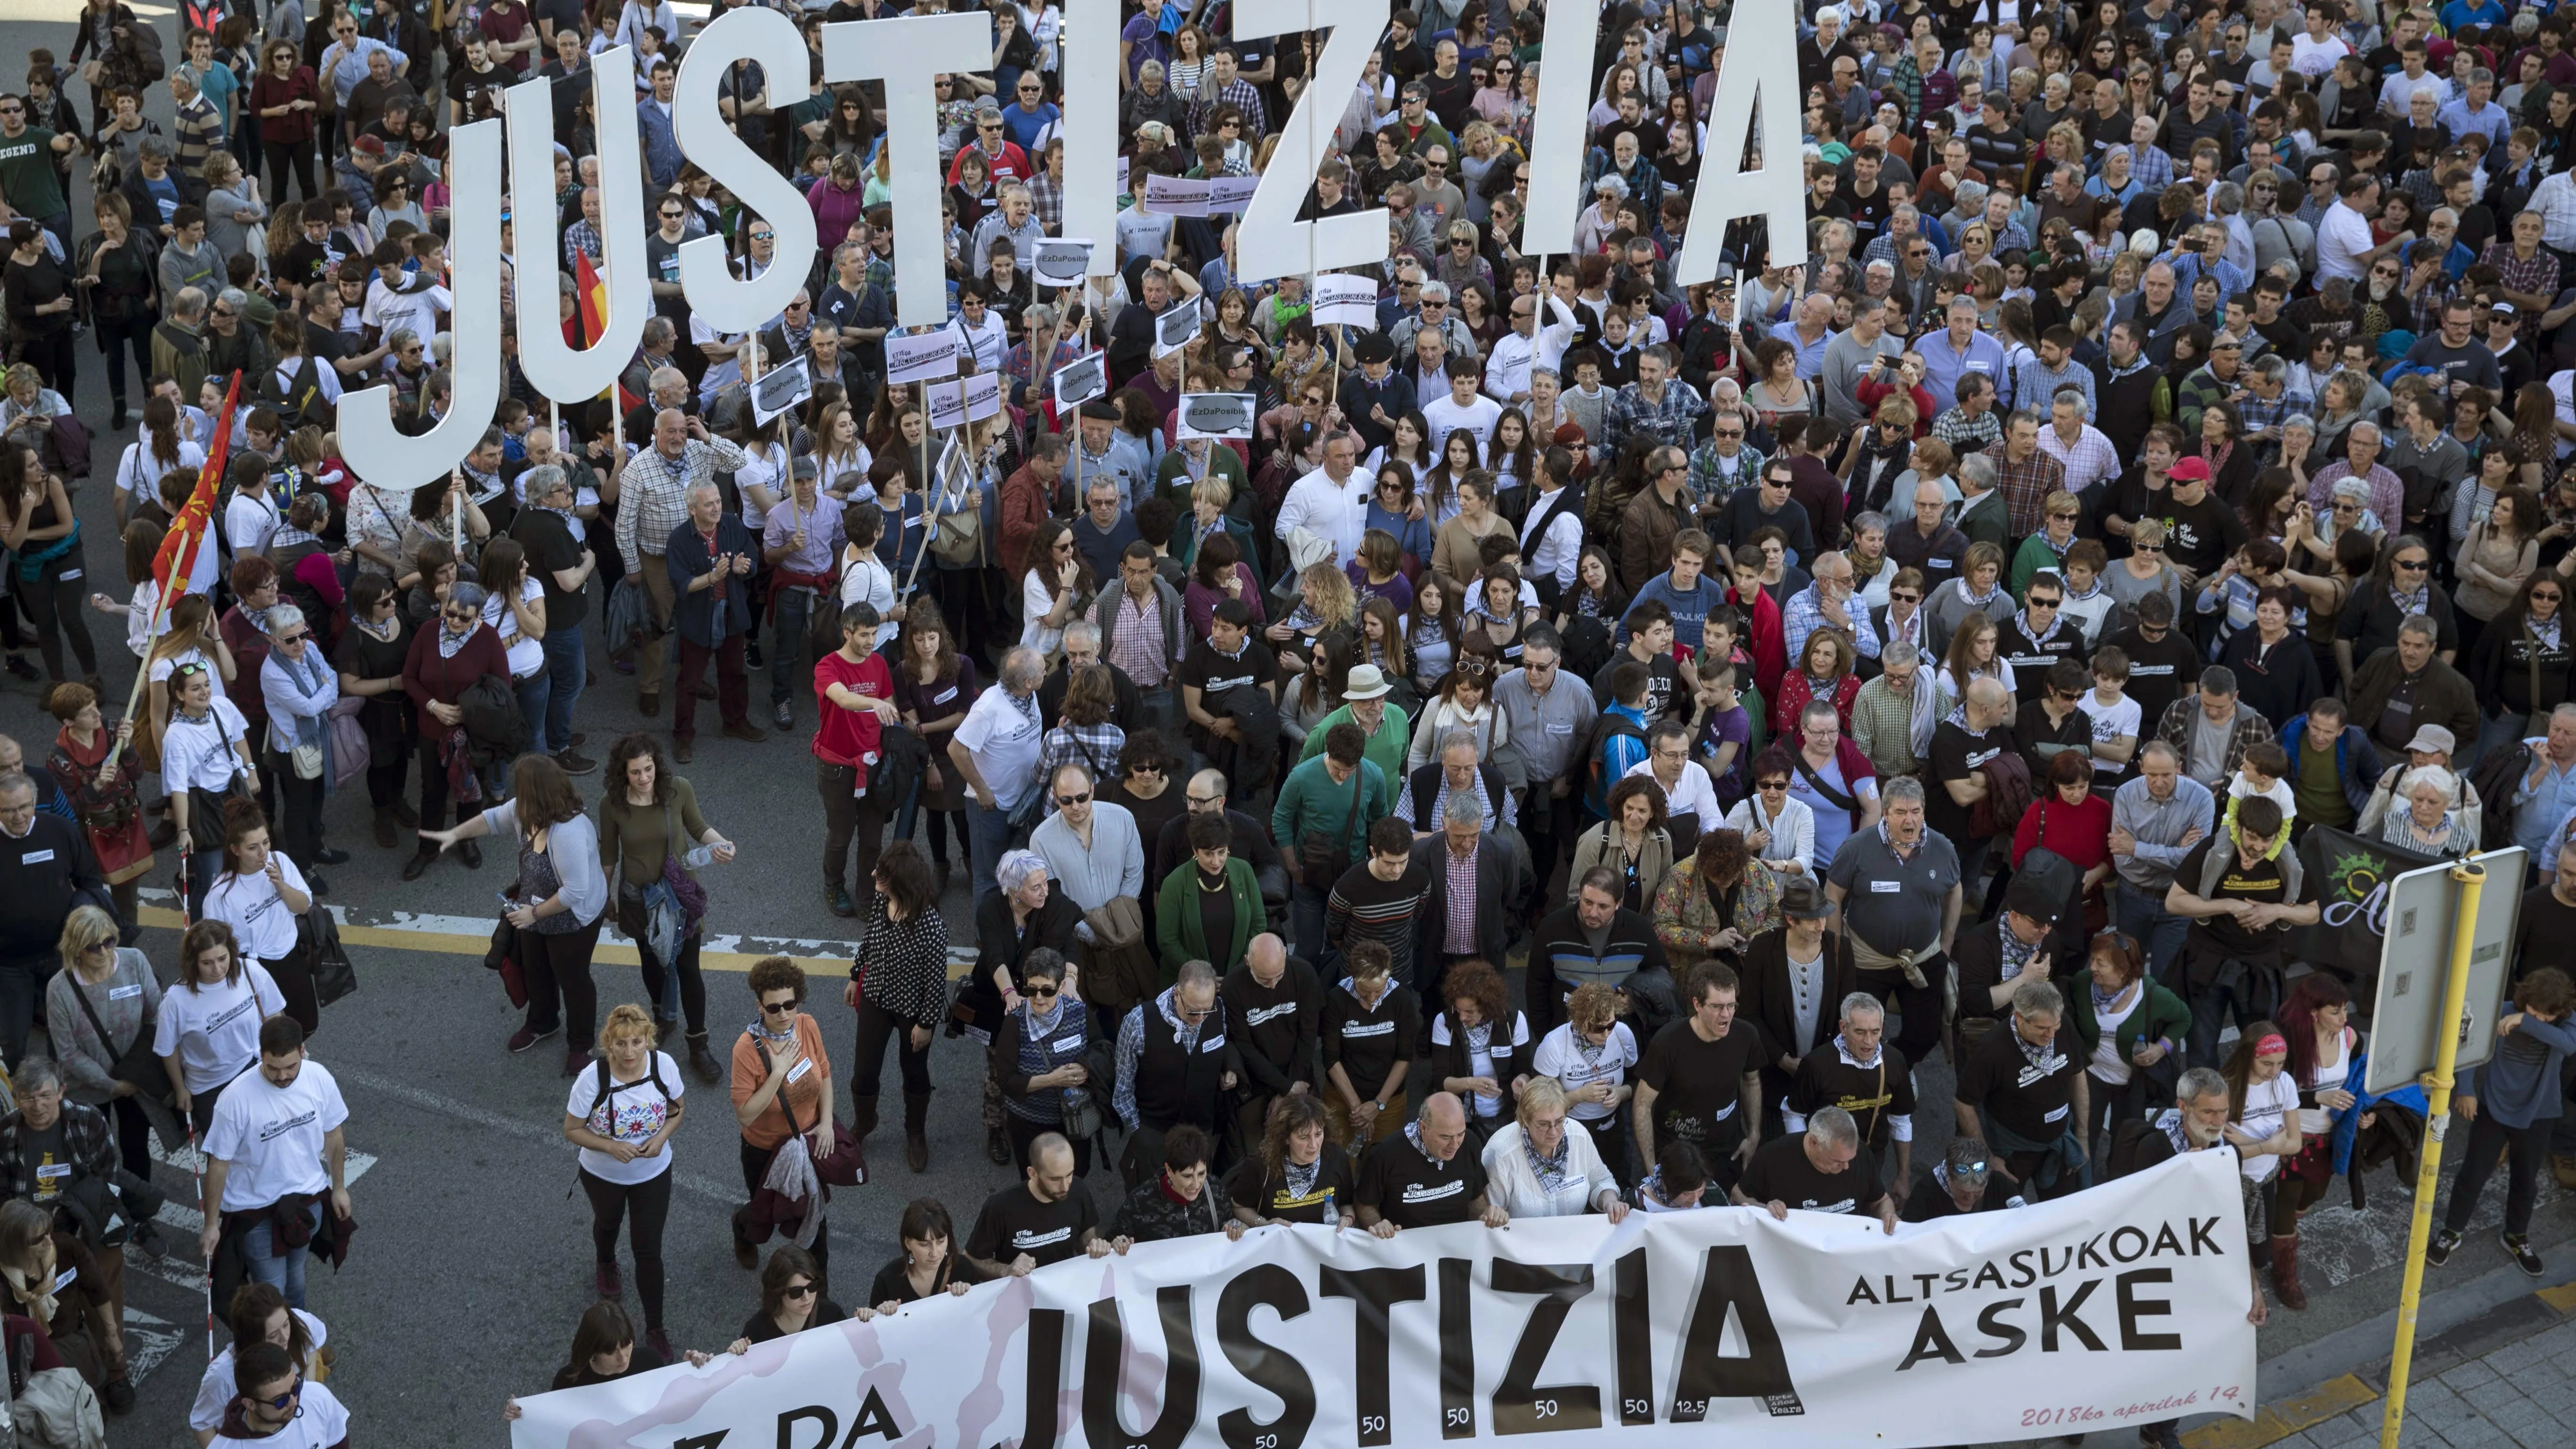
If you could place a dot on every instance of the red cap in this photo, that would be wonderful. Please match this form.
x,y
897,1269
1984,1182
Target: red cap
x,y
2188,470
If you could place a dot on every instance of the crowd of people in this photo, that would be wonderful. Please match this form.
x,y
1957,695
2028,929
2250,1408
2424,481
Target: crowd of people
x,y
1670,707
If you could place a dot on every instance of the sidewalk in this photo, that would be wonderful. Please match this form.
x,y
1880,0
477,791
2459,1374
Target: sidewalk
x,y
2495,1368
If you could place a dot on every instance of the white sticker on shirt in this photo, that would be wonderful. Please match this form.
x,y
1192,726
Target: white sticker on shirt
x,y
1070,1042
1577,1183
2053,1116
64,1279
800,1069
119,993
1214,1043
55,1169
1560,729
70,574
1885,887
35,857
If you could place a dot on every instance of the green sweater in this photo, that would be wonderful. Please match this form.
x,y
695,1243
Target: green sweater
x,y
1310,799
1181,933
2161,1014
1385,748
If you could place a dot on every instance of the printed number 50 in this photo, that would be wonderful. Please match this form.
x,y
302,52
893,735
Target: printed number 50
x,y
1457,1416
1373,1423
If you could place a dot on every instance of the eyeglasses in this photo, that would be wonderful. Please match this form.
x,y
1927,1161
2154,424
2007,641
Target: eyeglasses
x,y
801,1290
1772,787
778,1008
2415,567
1067,802
1039,993
1210,802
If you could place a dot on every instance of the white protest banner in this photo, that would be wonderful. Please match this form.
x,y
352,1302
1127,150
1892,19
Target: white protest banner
x,y
945,403
1176,195
2113,1307
1342,298
983,398
1081,380
1060,262
1216,415
1229,195
779,389
921,357
1176,328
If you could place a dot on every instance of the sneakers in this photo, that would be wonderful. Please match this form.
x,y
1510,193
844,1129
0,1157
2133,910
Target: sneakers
x,y
783,716
607,1280
2518,1247
526,1037
2438,1251
574,764
576,1061
837,898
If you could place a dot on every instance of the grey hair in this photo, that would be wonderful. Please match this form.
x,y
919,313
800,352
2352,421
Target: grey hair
x,y
471,595
2160,747
2433,775
280,616
1462,809
188,301
15,781
1088,632
1816,708
1903,787
1435,291
1967,1161
34,1074
542,481
1016,868
2270,367
2200,1082
2036,997
2375,433
2226,198
1454,738
1862,1001
1834,1127
1023,667
2218,679
233,297
2348,486
2297,420
1898,653
1194,973
1866,520
2420,624
1978,470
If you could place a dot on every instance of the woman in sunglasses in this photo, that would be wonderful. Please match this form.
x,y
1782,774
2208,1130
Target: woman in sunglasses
x,y
791,1299
205,758
453,650
1038,1057
2399,588
2520,664
782,1088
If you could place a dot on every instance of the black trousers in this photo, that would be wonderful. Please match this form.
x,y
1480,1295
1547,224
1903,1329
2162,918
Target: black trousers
x,y
560,991
52,604
51,354
115,339
1549,824
299,825
867,1068
1023,1132
850,818
284,157
2522,1150
650,1204
1920,1005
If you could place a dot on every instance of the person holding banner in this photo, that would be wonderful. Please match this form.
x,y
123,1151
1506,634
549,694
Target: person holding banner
x,y
1039,1222
2022,1090
1536,1168
1183,1200
1824,1169
1422,1177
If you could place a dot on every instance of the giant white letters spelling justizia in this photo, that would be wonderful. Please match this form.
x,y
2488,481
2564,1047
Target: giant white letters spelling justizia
x,y
1757,81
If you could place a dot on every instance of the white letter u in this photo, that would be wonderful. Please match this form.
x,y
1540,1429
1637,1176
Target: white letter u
x,y
555,368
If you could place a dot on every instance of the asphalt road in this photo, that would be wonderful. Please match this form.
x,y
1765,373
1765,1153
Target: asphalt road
x,y
471,1266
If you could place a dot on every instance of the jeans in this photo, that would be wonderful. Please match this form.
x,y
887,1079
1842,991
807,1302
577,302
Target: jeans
x,y
2158,932
2211,1006
285,1274
988,834
565,673
1156,710
1306,914
534,692
787,665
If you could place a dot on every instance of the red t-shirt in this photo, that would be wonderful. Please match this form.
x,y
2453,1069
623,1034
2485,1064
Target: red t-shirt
x,y
843,736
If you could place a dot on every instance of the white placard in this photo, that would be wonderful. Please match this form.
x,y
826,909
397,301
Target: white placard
x,y
1061,262
907,52
767,37
1177,327
1216,415
945,403
1176,195
983,396
779,389
1346,299
380,453
1079,381
2103,1310
921,357
554,367
1229,195
1088,67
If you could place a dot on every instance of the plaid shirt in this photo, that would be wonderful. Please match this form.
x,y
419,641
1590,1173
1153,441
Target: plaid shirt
x,y
2387,494
1459,936
2425,311
1239,93
1668,422
2025,486
2087,460
1806,614
581,238
2149,166
1137,645
1095,747
1021,364
1046,195
2258,415
86,1141
1713,486
2540,275
653,493
1964,434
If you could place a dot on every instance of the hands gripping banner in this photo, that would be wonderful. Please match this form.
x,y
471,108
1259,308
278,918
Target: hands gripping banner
x,y
2121,1305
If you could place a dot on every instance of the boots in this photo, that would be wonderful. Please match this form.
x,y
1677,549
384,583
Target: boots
x,y
2285,1273
863,1117
916,1131
703,1062
404,815
384,827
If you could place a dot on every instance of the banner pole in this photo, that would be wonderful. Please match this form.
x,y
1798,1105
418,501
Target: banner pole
x,y
2437,1113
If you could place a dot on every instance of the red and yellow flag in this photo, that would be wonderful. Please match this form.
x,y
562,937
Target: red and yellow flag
x,y
590,299
179,549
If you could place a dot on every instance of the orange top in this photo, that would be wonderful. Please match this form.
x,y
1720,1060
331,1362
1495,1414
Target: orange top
x,y
803,1092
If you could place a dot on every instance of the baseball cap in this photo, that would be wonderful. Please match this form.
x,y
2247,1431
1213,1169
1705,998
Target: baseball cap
x,y
2188,470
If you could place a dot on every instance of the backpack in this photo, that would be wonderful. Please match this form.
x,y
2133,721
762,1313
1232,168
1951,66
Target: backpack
x,y
609,1088
494,723
299,400
2497,777
1611,725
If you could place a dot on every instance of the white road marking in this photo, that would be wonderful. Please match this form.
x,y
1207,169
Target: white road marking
x,y
148,1341
184,1216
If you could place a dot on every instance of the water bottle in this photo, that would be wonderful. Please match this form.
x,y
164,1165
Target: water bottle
x,y
698,857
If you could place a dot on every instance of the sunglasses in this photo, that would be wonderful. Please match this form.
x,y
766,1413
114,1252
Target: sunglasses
x,y
1067,802
779,1008
1772,787
296,638
1905,598
2417,567
801,1290
2037,602
281,1402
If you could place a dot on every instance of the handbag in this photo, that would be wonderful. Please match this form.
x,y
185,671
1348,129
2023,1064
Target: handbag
x,y
334,974
503,956
1321,859
136,1065
846,1166
351,751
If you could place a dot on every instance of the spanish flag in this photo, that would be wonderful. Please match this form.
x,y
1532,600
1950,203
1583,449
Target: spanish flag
x,y
180,547
590,317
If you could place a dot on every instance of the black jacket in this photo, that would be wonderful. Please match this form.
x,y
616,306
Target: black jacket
x,y
1631,949
43,874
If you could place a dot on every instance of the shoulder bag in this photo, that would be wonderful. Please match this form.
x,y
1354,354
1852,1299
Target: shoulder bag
x,y
1321,859
135,1065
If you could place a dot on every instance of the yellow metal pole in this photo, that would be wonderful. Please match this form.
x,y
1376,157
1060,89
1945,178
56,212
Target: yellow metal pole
x,y
2437,1091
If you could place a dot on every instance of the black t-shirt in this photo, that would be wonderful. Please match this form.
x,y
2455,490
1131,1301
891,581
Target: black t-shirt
x,y
2040,739
2034,1100
1780,1172
2031,658
2160,670
760,1328
1213,674
1662,677
303,264
2545,935
466,86
1699,1084
2264,881
894,1284
1410,1190
1013,1222
1872,1095
551,545
1956,753
2202,535
1334,1189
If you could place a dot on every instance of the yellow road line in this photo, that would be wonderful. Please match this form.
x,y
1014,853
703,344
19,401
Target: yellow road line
x,y
2275,1422
450,943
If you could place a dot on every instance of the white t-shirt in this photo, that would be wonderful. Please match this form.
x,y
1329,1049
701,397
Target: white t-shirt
x,y
1477,419
2110,722
322,1423
216,1391
526,651
261,923
1003,734
272,1135
214,1030
1036,602
199,754
1561,1056
2266,1104
633,1113
2343,238
1513,1055
249,520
